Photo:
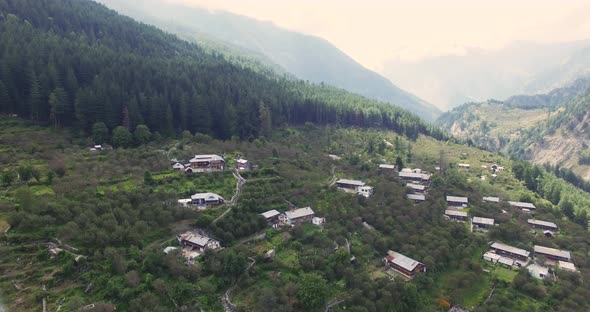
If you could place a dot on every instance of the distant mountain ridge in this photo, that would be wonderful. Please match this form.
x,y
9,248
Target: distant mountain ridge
x,y
307,57
476,75
493,124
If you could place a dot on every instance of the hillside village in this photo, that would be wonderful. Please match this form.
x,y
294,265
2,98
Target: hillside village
x,y
140,172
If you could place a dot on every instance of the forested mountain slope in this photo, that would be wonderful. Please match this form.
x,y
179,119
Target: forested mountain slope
x,y
74,63
562,141
307,57
493,124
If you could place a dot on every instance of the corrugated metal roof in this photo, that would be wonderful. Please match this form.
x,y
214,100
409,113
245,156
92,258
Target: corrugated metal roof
x,y
510,249
456,213
270,214
553,252
350,182
457,199
480,220
542,223
299,213
403,261
416,197
522,205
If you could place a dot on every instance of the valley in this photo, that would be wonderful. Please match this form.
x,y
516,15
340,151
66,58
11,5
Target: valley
x,y
143,172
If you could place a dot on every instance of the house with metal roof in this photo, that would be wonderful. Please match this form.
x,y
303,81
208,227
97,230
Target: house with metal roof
x,y
206,199
457,201
544,225
300,215
207,163
482,223
414,175
552,253
197,241
416,188
386,167
417,198
509,251
406,266
491,199
456,215
271,215
522,205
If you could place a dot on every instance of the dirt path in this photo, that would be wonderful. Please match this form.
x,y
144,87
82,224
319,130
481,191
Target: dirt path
x,y
228,306
334,178
234,200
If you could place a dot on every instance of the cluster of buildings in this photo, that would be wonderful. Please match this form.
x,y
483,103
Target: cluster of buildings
x,y
544,257
193,245
355,186
292,217
417,182
208,163
202,200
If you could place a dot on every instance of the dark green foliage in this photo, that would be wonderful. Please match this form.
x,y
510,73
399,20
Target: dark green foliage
x,y
312,291
62,70
100,133
122,137
142,134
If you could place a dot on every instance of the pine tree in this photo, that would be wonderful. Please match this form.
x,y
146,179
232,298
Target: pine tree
x,y
58,101
36,98
5,102
264,116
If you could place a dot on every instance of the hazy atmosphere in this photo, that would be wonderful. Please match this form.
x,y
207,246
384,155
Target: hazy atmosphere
x,y
376,31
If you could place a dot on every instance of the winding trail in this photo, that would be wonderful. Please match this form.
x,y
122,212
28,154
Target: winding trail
x,y
234,200
334,178
228,306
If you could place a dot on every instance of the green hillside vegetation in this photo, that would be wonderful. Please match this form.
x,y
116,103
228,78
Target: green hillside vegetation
x,y
561,143
76,63
121,232
494,124
307,57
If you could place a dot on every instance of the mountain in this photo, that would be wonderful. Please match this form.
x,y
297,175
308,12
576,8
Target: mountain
x,y
307,57
106,68
562,141
478,75
494,124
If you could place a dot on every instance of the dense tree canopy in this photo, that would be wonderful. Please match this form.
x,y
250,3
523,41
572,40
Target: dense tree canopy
x,y
75,63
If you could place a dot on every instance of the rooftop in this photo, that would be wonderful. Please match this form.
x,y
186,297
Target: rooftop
x,y
455,213
402,261
299,213
491,199
457,199
206,196
242,161
385,166
201,158
196,239
510,249
522,205
568,266
270,214
553,252
480,220
350,182
416,186
416,197
542,223
405,174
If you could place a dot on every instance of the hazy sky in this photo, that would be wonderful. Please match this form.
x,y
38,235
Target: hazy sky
x,y
375,31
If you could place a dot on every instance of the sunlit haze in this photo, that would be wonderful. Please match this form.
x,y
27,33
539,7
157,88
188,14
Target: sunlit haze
x,y
375,31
